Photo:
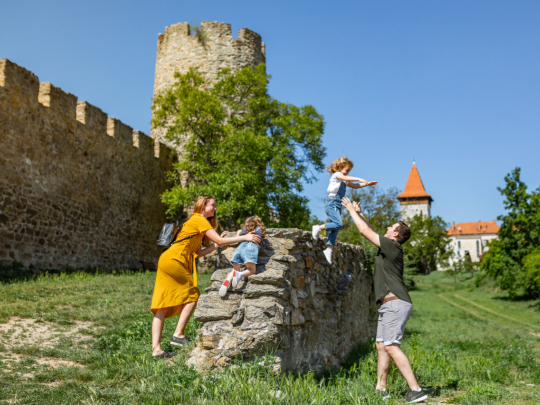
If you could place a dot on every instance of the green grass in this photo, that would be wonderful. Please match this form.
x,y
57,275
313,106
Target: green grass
x,y
471,345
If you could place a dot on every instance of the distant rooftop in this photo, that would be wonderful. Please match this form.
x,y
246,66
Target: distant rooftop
x,y
474,228
414,187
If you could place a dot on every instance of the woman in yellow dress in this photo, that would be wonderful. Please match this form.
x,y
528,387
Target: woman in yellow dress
x,y
176,291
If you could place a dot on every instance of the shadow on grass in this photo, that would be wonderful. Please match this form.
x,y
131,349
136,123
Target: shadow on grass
x,y
15,272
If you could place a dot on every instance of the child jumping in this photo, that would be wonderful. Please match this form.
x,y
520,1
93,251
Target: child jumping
x,y
339,181
247,253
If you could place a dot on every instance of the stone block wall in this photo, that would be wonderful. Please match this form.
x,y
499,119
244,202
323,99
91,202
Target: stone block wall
x,y
309,313
77,188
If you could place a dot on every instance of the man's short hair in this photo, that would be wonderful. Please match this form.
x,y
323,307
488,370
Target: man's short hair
x,y
404,232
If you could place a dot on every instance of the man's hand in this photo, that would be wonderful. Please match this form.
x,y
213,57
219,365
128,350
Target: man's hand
x,y
357,207
348,204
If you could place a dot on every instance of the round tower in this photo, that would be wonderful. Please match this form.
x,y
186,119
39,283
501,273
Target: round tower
x,y
210,50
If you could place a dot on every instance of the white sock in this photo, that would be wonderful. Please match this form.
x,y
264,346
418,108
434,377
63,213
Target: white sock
x,y
239,276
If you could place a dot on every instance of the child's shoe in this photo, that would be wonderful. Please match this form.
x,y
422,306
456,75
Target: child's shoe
x,y
224,288
315,231
236,277
328,255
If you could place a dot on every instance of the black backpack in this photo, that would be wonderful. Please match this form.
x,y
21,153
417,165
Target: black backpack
x,y
168,234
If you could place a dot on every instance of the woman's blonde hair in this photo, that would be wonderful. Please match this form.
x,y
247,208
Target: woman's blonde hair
x,y
338,164
199,207
252,223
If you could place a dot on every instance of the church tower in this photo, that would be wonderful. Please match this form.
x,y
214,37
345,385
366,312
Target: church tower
x,y
414,199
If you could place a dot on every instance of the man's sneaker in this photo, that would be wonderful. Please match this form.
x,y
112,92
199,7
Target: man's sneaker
x,y
236,277
178,341
224,288
315,231
415,396
382,394
328,255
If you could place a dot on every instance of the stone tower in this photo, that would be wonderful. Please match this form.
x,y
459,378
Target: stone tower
x,y
414,199
212,50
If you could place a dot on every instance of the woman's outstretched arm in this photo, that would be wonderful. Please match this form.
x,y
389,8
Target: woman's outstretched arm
x,y
220,240
209,249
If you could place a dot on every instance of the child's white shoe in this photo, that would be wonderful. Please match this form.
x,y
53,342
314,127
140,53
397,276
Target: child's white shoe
x,y
328,255
237,276
224,288
315,231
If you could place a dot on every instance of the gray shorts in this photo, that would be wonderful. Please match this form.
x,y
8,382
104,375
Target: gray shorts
x,y
393,315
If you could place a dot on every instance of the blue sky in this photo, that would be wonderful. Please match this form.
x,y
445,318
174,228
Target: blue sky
x,y
451,84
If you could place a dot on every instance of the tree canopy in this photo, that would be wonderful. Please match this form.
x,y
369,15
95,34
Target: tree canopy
x,y
251,152
511,258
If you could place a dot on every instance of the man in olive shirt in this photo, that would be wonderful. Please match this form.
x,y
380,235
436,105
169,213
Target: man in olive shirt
x,y
395,302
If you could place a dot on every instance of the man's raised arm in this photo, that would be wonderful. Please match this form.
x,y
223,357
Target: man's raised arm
x,y
360,221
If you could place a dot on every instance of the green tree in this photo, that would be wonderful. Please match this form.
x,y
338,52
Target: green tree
x,y
428,246
531,264
251,152
518,236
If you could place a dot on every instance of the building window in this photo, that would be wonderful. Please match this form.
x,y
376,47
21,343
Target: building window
x,y
484,242
458,253
478,248
459,245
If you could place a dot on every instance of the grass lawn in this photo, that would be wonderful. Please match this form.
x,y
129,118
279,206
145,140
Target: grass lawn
x,y
82,338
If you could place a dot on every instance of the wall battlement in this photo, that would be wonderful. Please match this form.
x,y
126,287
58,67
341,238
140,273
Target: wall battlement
x,y
215,49
78,188
23,89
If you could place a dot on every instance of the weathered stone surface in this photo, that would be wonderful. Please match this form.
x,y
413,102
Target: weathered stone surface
x,y
310,312
77,188
212,307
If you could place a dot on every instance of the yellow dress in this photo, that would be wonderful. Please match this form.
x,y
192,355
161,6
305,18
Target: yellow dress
x,y
176,278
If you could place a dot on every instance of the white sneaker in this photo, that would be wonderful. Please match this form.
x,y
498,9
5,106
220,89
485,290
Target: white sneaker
x,y
224,288
315,231
236,277
328,255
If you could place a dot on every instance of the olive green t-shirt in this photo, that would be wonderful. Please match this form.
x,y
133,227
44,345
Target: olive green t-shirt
x,y
388,276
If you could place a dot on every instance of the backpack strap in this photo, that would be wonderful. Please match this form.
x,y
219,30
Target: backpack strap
x,y
188,237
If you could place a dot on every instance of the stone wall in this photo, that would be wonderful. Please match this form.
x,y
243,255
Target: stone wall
x,y
211,51
77,188
310,313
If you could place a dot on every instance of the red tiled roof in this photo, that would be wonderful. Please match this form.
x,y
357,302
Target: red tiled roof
x,y
414,187
473,228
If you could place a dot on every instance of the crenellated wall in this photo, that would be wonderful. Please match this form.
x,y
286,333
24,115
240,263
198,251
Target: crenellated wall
x,y
77,188
309,313
210,52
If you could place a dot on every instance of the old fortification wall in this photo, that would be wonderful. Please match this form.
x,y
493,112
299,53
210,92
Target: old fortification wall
x,y
210,52
77,188
310,313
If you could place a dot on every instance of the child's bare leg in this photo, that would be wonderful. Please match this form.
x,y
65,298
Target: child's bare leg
x,y
251,269
323,227
236,266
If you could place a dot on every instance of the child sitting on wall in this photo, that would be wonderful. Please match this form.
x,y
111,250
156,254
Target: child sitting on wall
x,y
246,253
339,181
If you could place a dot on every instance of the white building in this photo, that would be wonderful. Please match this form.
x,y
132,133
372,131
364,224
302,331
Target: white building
x,y
414,199
471,238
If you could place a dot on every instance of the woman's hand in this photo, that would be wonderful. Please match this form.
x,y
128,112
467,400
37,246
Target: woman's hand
x,y
371,183
253,237
357,207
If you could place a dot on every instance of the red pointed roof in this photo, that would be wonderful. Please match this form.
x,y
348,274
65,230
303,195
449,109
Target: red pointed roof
x,y
414,187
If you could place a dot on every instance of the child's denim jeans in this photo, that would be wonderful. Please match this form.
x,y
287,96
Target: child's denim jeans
x,y
333,210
